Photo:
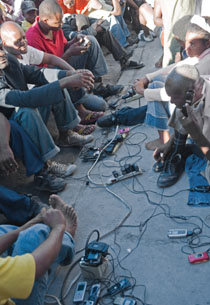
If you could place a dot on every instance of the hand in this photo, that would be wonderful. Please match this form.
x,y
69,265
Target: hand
x,y
163,150
76,49
80,79
8,164
140,85
53,218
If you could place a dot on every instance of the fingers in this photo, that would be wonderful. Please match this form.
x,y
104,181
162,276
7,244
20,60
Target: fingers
x,y
8,166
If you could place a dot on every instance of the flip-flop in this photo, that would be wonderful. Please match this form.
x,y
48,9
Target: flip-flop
x,y
84,130
91,117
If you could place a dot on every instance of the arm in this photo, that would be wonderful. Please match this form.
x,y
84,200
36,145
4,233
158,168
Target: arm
x,y
7,160
40,96
116,8
133,4
94,4
55,61
46,253
157,14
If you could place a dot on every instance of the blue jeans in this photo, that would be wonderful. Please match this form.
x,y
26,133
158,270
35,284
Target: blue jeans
x,y
92,60
30,239
17,208
24,149
158,112
119,32
131,116
33,121
194,166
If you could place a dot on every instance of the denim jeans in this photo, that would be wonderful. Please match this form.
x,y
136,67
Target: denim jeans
x,y
24,149
194,166
158,112
17,208
33,121
92,60
117,30
28,240
131,116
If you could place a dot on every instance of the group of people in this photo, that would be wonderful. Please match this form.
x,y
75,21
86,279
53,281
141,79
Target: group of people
x,y
50,60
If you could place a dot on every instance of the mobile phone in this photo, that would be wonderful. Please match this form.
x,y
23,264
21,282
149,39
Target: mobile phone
x,y
80,292
85,42
177,233
94,293
189,95
198,258
124,301
121,285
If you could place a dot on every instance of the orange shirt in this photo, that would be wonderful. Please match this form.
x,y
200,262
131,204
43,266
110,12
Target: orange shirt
x,y
80,7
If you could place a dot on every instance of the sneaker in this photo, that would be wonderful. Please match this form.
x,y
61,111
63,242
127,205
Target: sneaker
x,y
131,65
142,37
107,121
173,168
61,170
47,182
107,91
73,139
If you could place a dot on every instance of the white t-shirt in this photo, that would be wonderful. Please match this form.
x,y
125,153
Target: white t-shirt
x,y
32,57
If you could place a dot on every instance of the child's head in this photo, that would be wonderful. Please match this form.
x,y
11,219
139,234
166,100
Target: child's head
x,y
29,11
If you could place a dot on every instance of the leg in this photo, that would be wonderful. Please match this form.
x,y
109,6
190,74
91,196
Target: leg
x,y
31,121
28,241
117,31
93,59
24,149
107,39
93,102
157,116
65,113
16,207
175,162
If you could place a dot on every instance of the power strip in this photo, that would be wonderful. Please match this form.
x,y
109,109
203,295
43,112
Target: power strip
x,y
125,176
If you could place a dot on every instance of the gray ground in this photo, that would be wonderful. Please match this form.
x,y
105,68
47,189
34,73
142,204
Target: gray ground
x,y
144,250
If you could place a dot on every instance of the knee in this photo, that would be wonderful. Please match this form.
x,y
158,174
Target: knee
x,y
28,115
94,42
156,85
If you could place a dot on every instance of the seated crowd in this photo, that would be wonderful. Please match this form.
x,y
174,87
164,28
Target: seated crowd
x,y
50,61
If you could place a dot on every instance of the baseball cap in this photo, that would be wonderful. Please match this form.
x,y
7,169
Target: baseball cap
x,y
27,6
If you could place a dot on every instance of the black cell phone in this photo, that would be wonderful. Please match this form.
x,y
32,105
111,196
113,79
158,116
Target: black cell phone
x,y
189,95
121,285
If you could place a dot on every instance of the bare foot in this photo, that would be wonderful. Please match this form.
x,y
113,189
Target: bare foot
x,y
153,144
68,211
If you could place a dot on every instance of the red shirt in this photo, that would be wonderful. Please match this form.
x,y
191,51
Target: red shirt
x,y
80,7
38,40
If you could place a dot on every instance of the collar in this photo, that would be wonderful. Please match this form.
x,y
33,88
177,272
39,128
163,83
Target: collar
x,y
206,52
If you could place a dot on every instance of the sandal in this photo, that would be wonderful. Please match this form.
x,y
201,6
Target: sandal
x,y
91,117
84,130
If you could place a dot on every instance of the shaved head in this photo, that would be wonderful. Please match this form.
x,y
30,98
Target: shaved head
x,y
9,27
13,38
49,8
180,80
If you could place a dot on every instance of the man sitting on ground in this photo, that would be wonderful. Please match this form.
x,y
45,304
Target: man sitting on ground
x,y
14,93
45,240
191,94
46,35
14,42
74,24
